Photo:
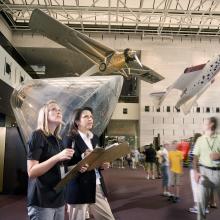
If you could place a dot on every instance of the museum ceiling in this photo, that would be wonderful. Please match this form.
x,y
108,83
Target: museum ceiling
x,y
143,17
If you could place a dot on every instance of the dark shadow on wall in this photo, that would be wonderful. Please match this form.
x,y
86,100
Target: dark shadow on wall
x,y
15,163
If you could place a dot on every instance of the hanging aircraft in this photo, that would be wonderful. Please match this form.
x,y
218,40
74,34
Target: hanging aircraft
x,y
106,60
193,83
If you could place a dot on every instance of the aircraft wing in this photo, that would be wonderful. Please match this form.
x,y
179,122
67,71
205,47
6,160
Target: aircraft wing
x,y
69,37
144,73
188,76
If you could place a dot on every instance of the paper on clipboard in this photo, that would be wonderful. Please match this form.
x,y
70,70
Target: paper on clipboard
x,y
95,159
110,154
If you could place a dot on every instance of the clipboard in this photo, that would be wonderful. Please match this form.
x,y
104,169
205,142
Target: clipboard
x,y
95,159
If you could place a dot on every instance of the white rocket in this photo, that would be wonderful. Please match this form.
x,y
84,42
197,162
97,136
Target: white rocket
x,y
193,83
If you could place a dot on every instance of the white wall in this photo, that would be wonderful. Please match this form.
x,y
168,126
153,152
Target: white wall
x,y
5,29
14,78
169,57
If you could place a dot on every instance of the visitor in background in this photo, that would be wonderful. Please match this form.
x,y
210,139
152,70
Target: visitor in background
x,y
150,159
176,170
206,165
194,184
163,159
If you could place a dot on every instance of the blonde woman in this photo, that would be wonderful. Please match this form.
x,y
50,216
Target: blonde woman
x,y
44,166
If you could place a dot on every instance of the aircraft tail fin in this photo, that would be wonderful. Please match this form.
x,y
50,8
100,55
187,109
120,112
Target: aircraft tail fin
x,y
186,107
158,98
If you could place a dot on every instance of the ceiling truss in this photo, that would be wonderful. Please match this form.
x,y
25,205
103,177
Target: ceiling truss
x,y
145,17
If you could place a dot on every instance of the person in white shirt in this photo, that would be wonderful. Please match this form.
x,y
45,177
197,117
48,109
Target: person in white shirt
x,y
163,158
87,190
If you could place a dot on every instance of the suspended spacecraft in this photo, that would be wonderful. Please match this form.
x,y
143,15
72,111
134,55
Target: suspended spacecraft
x,y
98,92
193,83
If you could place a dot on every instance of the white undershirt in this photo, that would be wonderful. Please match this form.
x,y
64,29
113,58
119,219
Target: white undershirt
x,y
87,139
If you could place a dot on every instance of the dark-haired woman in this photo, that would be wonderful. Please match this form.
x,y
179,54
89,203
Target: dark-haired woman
x,y
87,190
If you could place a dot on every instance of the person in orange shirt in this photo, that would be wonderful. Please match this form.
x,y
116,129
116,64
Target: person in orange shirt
x,y
176,170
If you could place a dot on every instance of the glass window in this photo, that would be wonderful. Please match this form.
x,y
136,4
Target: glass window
x,y
7,68
147,108
168,108
125,111
21,79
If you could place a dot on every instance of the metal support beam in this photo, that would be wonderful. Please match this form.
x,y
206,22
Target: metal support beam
x,y
162,17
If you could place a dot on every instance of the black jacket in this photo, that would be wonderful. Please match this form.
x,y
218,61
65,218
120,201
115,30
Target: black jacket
x,y
150,154
82,189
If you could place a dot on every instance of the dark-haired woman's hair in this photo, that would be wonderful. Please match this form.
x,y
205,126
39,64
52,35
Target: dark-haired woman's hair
x,y
214,121
73,127
196,136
